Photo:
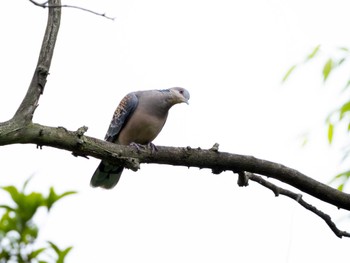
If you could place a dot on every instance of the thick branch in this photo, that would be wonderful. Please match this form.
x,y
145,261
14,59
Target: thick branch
x,y
26,110
211,159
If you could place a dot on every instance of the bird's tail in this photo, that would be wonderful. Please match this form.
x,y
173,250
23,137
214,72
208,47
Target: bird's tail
x,y
106,175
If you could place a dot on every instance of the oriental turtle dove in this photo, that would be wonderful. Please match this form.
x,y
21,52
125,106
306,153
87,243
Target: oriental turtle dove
x,y
138,119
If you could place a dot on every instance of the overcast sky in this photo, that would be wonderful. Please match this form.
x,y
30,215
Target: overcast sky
x,y
231,56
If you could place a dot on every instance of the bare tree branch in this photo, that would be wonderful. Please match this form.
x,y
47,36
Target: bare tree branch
x,y
45,5
297,197
215,160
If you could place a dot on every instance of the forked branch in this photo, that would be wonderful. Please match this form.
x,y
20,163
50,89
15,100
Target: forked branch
x,y
297,197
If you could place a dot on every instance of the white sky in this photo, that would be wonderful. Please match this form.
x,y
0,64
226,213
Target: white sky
x,y
231,56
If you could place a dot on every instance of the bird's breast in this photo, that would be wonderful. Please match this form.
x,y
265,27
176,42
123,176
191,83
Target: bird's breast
x,y
141,128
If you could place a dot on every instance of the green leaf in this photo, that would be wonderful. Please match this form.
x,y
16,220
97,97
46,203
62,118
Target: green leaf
x,y
60,253
9,208
53,197
345,49
34,254
344,109
327,68
67,193
313,53
340,175
290,70
8,222
54,247
29,205
340,187
330,132
344,177
26,183
13,191
64,254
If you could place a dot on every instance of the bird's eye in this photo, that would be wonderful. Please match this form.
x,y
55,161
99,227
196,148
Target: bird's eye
x,y
181,91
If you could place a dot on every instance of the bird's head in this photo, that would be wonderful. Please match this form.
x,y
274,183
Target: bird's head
x,y
179,95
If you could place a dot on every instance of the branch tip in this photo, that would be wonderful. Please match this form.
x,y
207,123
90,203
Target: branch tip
x,y
215,147
47,5
132,164
217,170
75,154
243,179
298,198
81,131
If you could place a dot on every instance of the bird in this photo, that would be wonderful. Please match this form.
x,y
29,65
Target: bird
x,y
138,119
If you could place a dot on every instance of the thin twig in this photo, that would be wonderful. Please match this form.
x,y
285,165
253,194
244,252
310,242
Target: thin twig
x,y
46,5
299,199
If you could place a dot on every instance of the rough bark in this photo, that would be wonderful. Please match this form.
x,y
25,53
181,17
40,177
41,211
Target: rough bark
x,y
25,111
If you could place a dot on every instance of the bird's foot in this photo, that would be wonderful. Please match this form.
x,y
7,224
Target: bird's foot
x,y
153,147
138,146
143,147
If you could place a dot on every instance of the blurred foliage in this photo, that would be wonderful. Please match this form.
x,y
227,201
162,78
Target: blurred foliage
x,y
18,231
341,115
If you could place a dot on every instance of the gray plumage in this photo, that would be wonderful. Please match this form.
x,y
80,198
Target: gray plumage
x,y
138,119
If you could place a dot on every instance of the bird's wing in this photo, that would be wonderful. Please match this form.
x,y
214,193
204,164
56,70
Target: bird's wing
x,y
123,112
